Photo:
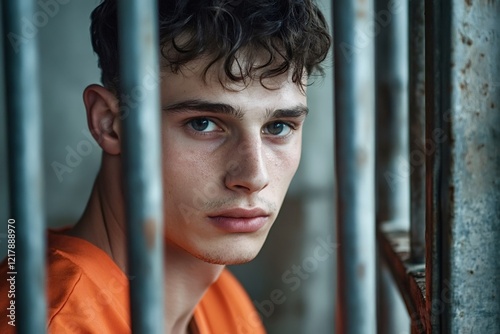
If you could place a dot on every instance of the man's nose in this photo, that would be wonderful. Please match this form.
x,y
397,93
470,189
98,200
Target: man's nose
x,y
247,169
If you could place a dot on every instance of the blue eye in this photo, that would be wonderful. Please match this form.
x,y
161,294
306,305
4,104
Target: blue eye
x,y
202,125
277,129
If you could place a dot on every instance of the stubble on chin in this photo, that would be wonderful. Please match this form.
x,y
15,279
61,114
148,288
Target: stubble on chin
x,y
227,258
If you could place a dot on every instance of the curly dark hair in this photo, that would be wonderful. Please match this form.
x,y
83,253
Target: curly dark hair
x,y
287,34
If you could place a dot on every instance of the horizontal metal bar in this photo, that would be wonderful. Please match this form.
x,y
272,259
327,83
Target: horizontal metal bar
x,y
139,56
27,226
409,277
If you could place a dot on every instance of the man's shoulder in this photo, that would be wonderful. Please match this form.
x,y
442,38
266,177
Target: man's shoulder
x,y
85,293
226,308
86,290
63,279
61,273
83,303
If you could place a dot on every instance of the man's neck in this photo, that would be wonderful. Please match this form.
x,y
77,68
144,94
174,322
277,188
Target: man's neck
x,y
187,278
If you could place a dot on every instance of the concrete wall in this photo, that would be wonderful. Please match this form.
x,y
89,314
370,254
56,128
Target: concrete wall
x,y
297,261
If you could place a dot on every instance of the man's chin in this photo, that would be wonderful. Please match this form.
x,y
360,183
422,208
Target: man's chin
x,y
226,259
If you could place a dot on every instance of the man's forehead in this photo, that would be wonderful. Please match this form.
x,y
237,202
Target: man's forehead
x,y
190,90
248,66
195,80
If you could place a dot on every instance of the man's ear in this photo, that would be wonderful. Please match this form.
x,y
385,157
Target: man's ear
x,y
103,117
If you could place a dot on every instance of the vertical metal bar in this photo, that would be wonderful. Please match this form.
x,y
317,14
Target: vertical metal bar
x,y
470,166
392,160
419,147
434,52
355,138
139,53
392,313
391,75
25,167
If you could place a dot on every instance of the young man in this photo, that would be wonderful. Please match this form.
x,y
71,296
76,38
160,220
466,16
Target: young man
x,y
233,104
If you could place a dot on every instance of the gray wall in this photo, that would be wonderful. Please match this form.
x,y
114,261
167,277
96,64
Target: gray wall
x,y
67,66
288,263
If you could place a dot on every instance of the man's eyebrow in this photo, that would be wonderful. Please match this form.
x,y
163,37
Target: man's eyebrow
x,y
204,106
293,112
223,108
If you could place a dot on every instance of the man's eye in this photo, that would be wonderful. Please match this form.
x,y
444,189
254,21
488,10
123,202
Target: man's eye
x,y
202,125
277,129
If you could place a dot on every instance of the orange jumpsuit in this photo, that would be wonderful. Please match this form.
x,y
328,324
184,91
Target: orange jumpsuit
x,y
88,293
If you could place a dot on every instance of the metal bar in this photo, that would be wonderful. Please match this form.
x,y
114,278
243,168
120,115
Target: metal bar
x,y
410,278
392,313
139,53
355,138
434,55
470,165
27,226
391,75
392,176
418,145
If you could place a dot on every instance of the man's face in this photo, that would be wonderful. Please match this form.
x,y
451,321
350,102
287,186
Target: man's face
x,y
228,159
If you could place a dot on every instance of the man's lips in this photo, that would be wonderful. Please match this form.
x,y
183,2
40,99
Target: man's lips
x,y
240,220
241,213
